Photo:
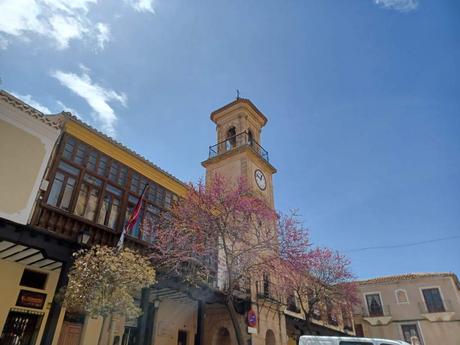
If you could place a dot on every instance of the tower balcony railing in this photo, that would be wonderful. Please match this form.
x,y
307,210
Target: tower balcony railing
x,y
237,141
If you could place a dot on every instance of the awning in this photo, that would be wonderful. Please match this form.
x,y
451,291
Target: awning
x,y
27,256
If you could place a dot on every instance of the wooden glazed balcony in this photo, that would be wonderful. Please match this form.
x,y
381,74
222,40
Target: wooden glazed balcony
x,y
68,226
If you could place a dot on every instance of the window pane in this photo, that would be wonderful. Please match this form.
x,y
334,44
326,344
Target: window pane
x,y
81,149
90,210
68,168
134,183
104,209
114,213
374,305
93,180
160,196
68,190
56,189
113,190
81,202
122,176
168,197
68,148
433,300
101,170
113,172
92,159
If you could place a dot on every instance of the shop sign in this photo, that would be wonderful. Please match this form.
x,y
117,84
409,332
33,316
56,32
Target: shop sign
x,y
30,299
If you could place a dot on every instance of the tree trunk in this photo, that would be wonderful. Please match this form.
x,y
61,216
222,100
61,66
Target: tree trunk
x,y
111,330
105,324
236,325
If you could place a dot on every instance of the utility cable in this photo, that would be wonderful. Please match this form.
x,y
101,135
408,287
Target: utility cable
x,y
411,244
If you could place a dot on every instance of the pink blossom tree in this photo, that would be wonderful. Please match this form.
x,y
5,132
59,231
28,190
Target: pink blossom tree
x,y
219,232
316,277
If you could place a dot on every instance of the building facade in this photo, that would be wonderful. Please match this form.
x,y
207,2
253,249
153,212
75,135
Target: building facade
x,y
425,306
65,186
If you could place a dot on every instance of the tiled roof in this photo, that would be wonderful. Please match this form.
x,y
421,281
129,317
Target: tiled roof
x,y
408,276
31,111
240,100
58,120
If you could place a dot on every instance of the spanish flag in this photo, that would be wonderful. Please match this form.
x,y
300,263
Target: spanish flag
x,y
133,219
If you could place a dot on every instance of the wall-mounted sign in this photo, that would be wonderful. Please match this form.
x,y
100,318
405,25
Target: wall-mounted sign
x,y
252,330
31,299
252,318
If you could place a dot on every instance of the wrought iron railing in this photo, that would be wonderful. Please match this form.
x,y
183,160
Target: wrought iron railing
x,y
376,312
236,141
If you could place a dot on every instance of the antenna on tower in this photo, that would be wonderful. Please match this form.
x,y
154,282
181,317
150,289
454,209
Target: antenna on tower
x,y
237,94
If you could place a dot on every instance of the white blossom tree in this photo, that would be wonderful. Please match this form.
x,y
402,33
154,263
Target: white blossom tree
x,y
103,281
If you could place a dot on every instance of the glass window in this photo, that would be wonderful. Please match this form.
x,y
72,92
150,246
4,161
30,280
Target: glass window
x,y
80,154
135,179
53,197
410,331
87,200
102,167
113,171
149,222
433,300
68,191
69,148
160,196
92,161
122,176
61,190
68,168
374,305
110,207
168,199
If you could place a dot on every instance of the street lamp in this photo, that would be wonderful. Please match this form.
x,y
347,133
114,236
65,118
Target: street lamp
x,y
83,236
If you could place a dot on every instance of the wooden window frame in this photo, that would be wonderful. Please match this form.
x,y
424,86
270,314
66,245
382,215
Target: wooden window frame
x,y
106,180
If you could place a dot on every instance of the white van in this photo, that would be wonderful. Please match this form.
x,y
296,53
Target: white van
x,y
324,340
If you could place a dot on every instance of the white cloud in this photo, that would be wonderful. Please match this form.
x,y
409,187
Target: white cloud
x,y
95,95
398,5
59,20
33,103
103,34
141,5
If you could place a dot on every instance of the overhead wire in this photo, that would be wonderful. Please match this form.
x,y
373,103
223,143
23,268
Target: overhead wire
x,y
403,245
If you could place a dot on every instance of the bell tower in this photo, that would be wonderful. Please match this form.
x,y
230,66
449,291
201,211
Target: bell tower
x,y
238,151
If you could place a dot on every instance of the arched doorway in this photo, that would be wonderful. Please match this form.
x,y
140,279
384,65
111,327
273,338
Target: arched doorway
x,y
270,338
222,337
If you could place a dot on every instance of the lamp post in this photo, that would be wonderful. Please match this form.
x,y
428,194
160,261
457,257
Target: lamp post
x,y
83,236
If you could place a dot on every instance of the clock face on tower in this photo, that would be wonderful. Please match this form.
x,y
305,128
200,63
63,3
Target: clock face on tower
x,y
260,179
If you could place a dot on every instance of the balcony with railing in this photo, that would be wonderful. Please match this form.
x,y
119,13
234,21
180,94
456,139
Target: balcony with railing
x,y
439,310
377,315
264,291
243,139
69,226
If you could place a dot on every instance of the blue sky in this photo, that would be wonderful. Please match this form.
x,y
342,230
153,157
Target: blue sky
x,y
362,98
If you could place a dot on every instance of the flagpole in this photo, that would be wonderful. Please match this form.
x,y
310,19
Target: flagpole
x,y
134,215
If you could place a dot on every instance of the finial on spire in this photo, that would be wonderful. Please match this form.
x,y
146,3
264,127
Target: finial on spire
x,y
237,94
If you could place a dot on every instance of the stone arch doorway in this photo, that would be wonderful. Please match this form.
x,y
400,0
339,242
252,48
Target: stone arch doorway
x,y
222,337
270,338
